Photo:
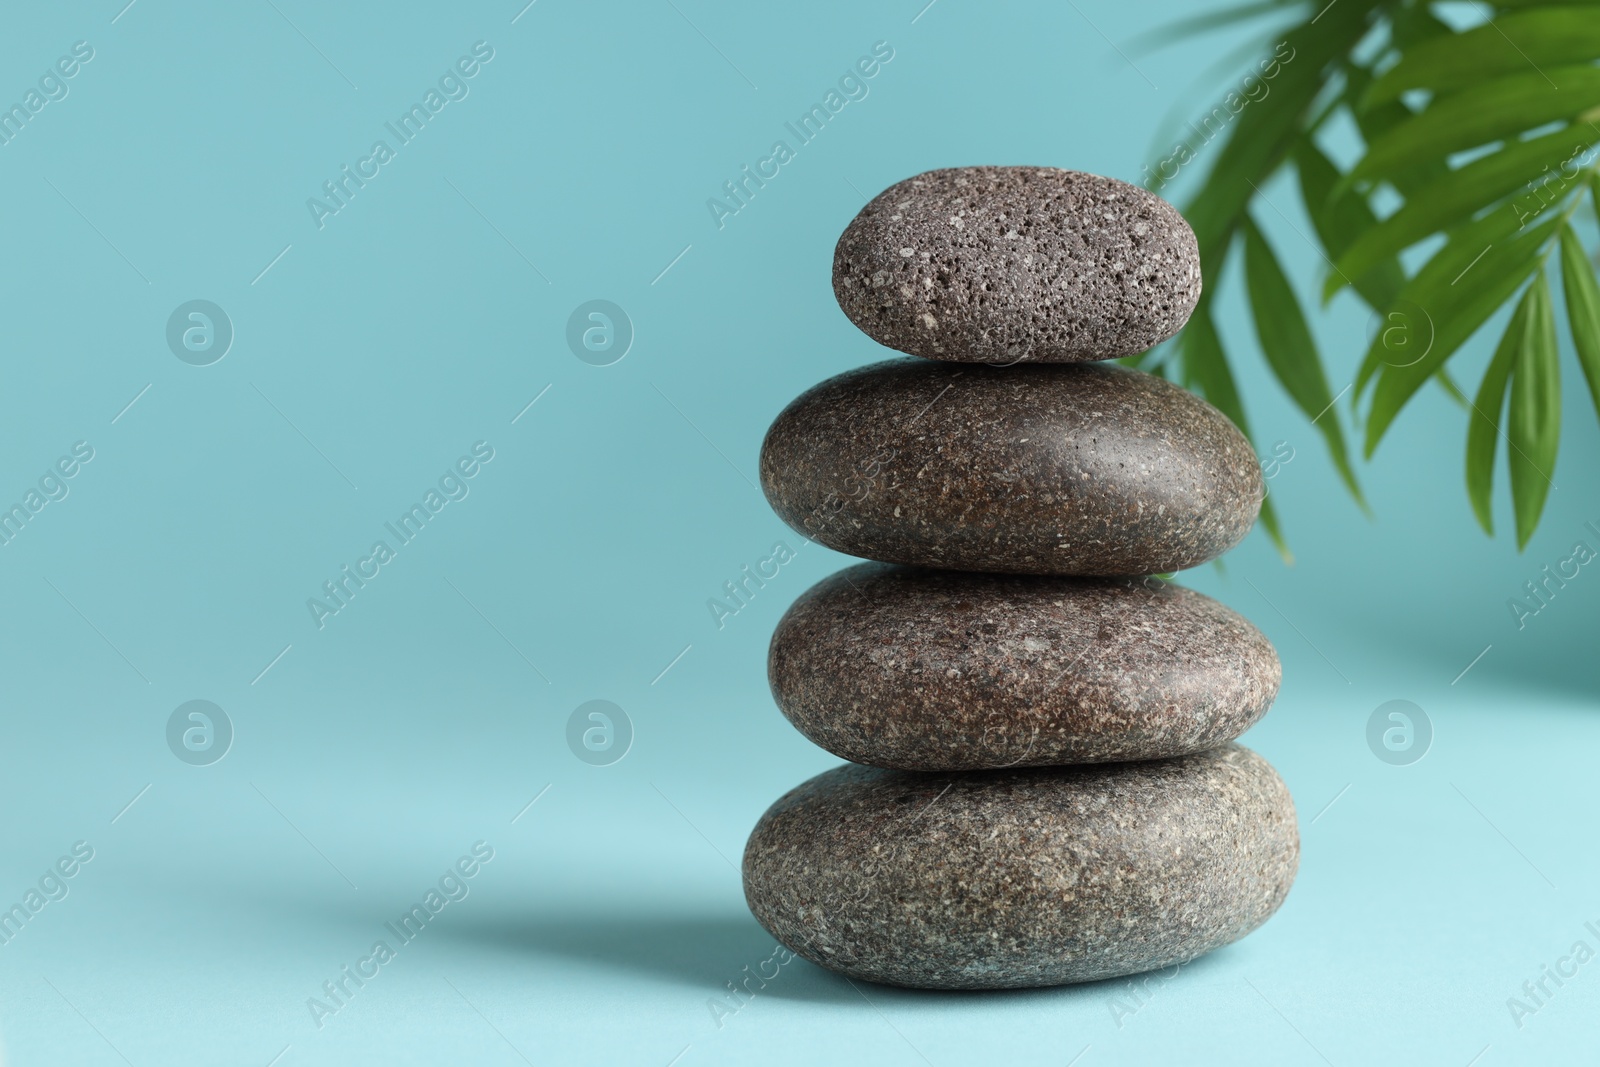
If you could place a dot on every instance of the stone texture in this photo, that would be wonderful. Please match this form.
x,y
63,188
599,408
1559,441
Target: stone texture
x,y
1036,469
946,671
1003,264
1002,879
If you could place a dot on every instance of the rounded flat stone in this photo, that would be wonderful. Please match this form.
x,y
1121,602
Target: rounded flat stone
x,y
1002,264
946,671
1004,879
1036,469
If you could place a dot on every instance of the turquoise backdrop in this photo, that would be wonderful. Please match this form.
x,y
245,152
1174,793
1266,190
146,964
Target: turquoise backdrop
x,y
382,324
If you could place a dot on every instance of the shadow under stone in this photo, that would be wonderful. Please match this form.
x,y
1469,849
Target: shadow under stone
x,y
708,951
705,951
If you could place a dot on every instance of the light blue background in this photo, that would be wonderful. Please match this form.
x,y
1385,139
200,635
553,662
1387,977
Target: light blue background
x,y
423,717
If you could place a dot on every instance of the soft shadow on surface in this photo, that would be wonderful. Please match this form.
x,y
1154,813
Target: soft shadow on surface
x,y
702,950
707,951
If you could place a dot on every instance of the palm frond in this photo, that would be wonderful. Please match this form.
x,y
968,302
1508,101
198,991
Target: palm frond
x,y
1487,137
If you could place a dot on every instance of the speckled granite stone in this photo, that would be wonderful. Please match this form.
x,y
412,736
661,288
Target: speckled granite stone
x,y
1001,879
945,671
1087,469
1001,264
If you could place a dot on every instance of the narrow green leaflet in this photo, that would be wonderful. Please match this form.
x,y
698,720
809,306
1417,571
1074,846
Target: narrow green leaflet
x,y
1461,193
1541,37
1414,23
1178,125
1210,20
1488,111
1451,389
1289,348
1375,120
1274,528
1339,219
1583,309
1206,367
1535,430
1263,133
1454,313
1483,422
1435,282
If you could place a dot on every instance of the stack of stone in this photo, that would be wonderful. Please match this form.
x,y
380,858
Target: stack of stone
x,y
1044,787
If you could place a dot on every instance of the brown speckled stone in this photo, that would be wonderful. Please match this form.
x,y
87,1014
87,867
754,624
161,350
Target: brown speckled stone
x,y
1001,264
945,671
1037,469
1003,879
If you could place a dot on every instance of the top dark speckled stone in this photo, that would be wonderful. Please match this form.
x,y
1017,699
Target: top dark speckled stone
x,y
1092,469
1011,264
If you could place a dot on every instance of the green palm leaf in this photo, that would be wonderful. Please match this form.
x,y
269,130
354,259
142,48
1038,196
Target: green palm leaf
x,y
1583,309
1205,370
1289,349
1343,217
1535,431
1376,120
1514,4
1483,424
1264,133
1463,192
1436,286
1454,312
1538,38
1484,138
1184,28
1489,111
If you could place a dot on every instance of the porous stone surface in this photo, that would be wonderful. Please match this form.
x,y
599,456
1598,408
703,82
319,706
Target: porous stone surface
x,y
1090,469
944,671
1005,264
1002,879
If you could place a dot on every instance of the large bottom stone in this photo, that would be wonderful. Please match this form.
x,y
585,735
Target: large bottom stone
x,y
1006,879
